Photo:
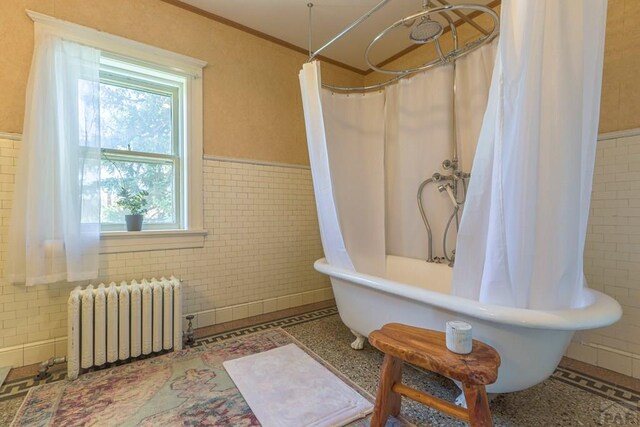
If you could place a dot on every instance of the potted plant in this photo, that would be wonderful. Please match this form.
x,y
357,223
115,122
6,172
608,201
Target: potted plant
x,y
136,205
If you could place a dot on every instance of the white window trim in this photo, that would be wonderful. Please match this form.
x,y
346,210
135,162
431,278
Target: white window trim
x,y
134,241
194,234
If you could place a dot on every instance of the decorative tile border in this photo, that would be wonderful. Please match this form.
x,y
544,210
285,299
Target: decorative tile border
x,y
20,387
622,395
282,323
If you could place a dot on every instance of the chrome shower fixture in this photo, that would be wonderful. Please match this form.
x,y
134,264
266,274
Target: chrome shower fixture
x,y
426,26
448,183
450,164
429,30
426,31
449,189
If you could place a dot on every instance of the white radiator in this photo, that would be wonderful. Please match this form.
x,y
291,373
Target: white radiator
x,y
117,322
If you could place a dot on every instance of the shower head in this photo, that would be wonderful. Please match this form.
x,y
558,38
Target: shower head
x,y
426,31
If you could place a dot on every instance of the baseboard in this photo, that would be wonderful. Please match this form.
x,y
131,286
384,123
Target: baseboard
x,y
36,352
241,311
606,357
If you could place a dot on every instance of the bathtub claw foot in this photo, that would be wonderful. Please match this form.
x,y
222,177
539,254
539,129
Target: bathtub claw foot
x,y
462,402
358,344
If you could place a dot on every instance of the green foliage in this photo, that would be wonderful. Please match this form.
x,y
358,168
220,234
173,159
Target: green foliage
x,y
136,203
139,121
156,179
135,120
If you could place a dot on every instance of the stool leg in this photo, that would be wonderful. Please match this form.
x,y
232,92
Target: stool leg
x,y
387,401
477,405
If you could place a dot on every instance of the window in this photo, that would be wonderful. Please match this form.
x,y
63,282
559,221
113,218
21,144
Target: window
x,y
141,129
161,154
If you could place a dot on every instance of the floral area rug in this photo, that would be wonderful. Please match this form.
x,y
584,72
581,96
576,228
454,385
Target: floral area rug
x,y
185,388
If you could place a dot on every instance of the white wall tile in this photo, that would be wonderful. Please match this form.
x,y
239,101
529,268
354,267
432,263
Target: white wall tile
x,y
283,303
295,300
582,353
60,346
615,362
262,242
612,250
36,353
270,305
206,318
240,312
254,309
224,315
12,357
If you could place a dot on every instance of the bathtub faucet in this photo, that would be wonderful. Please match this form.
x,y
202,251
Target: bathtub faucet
x,y
453,258
448,183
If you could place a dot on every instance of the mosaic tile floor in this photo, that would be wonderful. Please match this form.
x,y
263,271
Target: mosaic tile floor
x,y
568,398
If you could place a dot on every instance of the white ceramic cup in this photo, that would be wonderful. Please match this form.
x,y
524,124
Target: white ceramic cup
x,y
459,338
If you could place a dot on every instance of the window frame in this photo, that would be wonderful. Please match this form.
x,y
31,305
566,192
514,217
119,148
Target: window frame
x,y
158,60
126,78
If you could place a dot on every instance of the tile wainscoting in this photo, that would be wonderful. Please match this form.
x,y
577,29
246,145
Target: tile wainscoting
x,y
257,257
263,239
612,253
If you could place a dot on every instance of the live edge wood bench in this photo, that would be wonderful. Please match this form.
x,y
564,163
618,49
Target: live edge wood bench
x,y
427,349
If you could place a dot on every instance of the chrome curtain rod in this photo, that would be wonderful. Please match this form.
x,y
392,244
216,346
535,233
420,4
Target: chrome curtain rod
x,y
342,33
399,74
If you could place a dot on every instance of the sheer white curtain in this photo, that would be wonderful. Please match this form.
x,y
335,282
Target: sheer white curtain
x,y
522,234
55,221
345,135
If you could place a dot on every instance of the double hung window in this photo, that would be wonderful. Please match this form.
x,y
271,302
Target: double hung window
x,y
141,133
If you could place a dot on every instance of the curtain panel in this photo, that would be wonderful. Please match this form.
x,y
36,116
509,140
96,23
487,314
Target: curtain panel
x,y
522,234
55,222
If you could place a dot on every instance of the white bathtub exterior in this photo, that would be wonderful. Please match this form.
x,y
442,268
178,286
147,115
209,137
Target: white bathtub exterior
x,y
530,342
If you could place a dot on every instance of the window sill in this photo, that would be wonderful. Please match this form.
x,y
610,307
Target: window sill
x,y
112,242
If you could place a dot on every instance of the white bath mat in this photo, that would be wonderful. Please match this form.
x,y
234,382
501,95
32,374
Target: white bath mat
x,y
285,387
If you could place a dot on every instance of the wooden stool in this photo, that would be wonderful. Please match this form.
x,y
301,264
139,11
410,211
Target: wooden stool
x,y
427,349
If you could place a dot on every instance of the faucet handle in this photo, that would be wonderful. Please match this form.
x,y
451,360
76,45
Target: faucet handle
x,y
449,164
452,261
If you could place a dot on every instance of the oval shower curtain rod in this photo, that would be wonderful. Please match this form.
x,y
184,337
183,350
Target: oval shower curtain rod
x,y
425,31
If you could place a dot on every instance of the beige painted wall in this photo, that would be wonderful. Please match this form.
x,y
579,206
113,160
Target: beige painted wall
x,y
620,107
252,103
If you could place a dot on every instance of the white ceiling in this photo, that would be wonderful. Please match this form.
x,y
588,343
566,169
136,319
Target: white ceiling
x,y
288,20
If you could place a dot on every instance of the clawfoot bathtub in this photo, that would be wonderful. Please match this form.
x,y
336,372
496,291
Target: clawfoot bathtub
x,y
530,342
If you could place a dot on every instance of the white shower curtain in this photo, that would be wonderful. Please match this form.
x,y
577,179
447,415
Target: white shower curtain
x,y
522,234
419,137
345,135
55,221
370,152
473,82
